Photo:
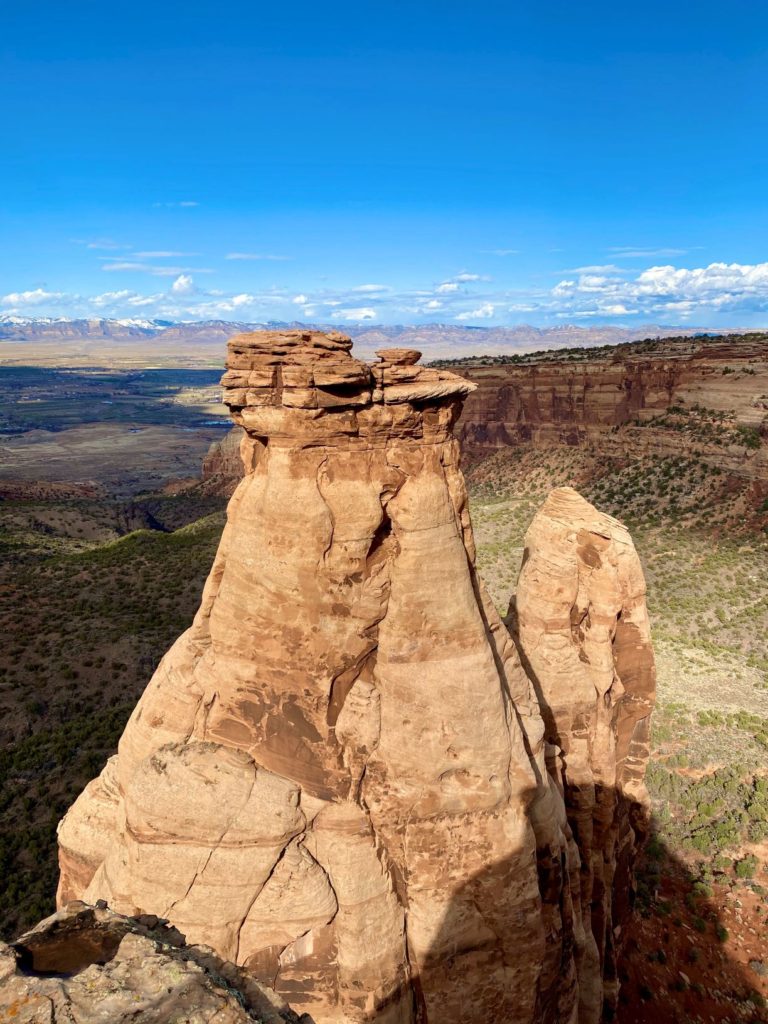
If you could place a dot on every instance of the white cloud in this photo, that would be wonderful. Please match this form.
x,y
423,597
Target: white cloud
x,y
183,203
100,243
35,297
718,286
598,268
113,265
254,256
635,252
453,283
160,254
183,285
359,313
616,309
220,307
482,313
715,294
111,298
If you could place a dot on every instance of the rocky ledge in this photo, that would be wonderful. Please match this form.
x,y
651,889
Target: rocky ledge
x,y
86,964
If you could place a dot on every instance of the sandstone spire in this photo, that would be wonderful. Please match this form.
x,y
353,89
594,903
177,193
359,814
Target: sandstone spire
x,y
338,776
581,625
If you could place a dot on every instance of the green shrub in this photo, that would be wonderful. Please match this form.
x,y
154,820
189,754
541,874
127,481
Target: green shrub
x,y
746,867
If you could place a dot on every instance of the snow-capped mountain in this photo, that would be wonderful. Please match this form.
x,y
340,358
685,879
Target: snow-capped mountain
x,y
54,341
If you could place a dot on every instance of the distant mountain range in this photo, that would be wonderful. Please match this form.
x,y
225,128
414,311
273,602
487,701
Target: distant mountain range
x,y
49,341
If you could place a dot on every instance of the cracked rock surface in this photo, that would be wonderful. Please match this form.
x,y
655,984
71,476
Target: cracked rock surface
x,y
87,964
341,777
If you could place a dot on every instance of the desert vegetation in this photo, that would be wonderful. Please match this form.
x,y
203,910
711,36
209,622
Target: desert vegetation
x,y
703,887
85,622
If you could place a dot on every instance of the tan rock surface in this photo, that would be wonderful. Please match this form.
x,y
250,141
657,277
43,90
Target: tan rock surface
x,y
87,965
338,776
580,619
227,461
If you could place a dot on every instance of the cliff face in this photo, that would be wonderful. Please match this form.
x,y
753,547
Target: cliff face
x,y
617,402
581,624
227,461
342,777
557,401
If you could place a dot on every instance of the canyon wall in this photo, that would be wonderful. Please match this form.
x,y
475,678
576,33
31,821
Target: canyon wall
x,y
346,776
615,402
586,400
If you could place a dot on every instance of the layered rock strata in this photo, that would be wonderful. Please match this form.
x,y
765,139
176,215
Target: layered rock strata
x,y
596,401
338,776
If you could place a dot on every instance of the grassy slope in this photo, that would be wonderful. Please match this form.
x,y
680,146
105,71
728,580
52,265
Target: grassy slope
x,y
84,625
703,887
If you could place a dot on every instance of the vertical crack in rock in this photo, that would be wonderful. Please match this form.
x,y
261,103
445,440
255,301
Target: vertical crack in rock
x,y
347,776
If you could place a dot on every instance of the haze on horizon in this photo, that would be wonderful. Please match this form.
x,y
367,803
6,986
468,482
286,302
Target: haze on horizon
x,y
402,164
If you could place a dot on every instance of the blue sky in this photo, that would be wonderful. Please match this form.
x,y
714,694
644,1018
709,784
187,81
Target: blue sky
x,y
480,163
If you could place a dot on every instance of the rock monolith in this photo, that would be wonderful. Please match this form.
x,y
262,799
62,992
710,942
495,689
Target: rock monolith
x,y
342,777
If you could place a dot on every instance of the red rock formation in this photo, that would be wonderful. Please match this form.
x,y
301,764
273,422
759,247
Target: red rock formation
x,y
580,620
227,461
338,777
561,401
596,401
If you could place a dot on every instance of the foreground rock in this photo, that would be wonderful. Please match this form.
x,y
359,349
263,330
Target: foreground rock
x,y
86,964
339,776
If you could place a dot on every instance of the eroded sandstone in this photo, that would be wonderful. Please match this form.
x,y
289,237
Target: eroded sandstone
x,y
342,777
87,964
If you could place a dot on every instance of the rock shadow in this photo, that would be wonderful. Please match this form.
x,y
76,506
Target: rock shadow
x,y
666,957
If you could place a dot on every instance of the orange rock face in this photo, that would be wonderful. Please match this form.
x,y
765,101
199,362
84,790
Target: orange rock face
x,y
581,623
227,461
341,777
559,401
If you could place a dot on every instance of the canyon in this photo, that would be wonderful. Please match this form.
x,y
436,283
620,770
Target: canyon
x,y
349,776
708,396
99,585
702,399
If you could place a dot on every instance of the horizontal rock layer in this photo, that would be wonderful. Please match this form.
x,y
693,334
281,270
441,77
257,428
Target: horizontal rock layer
x,y
562,401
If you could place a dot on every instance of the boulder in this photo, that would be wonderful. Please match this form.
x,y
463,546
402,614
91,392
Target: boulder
x,y
87,965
